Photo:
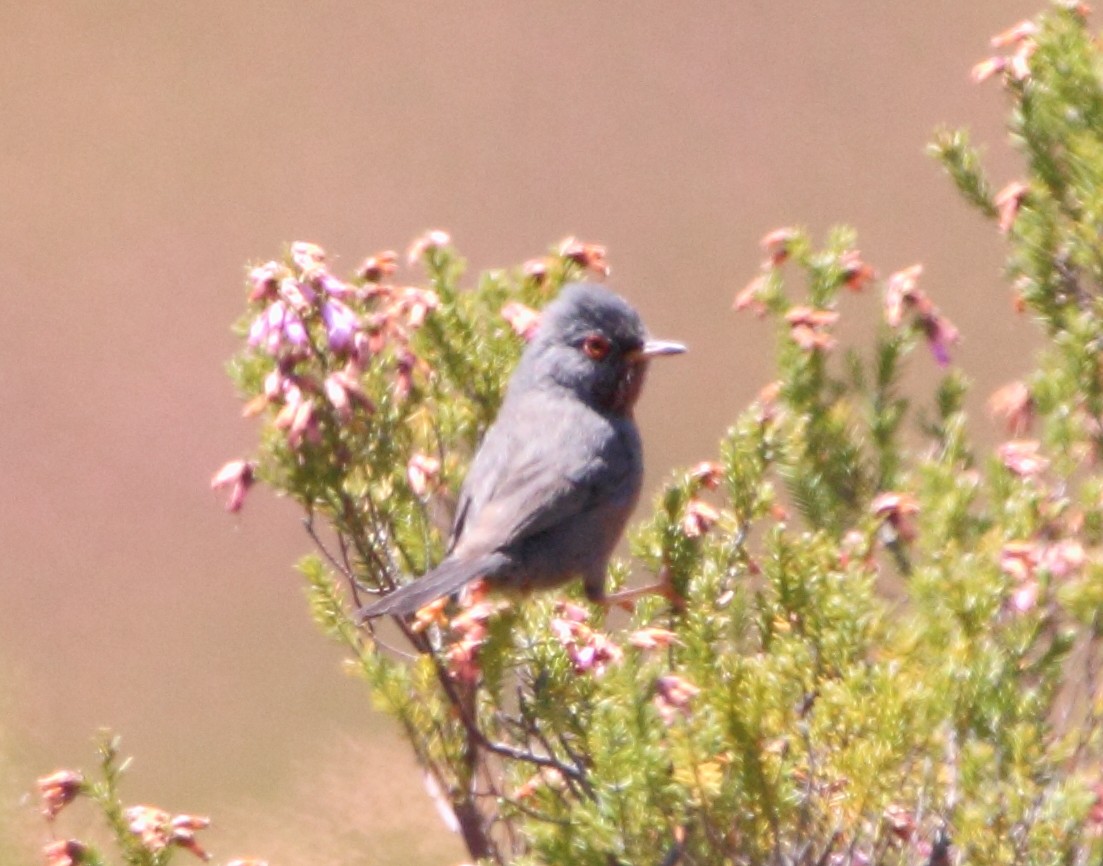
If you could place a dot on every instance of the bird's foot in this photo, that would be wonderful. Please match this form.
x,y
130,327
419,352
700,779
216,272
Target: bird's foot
x,y
626,599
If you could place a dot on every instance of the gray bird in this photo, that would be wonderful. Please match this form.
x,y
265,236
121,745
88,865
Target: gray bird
x,y
559,471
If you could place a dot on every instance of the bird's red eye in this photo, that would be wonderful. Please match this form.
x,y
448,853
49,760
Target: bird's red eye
x,y
596,346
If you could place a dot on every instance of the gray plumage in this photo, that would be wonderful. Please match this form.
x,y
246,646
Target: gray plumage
x,y
559,472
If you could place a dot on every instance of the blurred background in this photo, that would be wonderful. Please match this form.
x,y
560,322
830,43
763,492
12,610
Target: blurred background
x,y
149,150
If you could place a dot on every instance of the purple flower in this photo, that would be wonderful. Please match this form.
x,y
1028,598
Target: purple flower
x,y
332,286
275,324
341,324
298,294
264,280
941,334
307,256
293,328
239,476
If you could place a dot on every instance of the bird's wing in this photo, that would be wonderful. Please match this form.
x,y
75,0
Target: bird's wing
x,y
539,465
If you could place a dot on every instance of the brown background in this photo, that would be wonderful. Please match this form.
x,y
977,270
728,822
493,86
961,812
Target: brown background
x,y
149,149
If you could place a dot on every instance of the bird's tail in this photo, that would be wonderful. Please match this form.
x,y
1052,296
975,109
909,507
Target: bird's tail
x,y
450,576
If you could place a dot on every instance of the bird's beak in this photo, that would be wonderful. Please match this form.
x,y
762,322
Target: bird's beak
x,y
657,348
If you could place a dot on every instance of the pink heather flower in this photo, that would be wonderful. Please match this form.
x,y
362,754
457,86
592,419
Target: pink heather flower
x,y
332,286
590,651
776,245
1025,29
369,342
708,474
987,68
470,629
404,375
274,326
1019,559
254,407
58,790
157,829
422,472
807,328
431,240
303,425
652,638
902,291
266,329
852,546
264,281
416,304
898,511
277,383
750,296
431,614
1022,560
378,267
698,518
1008,201
239,476
767,402
1019,67
247,861
1014,405
1022,457
293,329
1063,558
535,269
900,821
563,629
594,655
151,825
292,397
524,320
338,396
941,333
463,660
471,622
183,834
812,317
299,296
342,389
589,256
341,324
298,419
856,273
307,257
672,696
65,852
1025,597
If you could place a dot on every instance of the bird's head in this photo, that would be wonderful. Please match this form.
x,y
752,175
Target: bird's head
x,y
592,343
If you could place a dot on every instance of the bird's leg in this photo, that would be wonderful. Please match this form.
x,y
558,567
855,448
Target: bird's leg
x,y
626,599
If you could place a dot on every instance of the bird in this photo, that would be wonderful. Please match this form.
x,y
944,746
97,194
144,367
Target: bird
x,y
559,471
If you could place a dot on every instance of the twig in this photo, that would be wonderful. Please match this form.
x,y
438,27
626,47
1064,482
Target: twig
x,y
497,748
308,524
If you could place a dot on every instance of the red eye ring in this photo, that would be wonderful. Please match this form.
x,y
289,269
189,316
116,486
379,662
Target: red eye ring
x,y
596,346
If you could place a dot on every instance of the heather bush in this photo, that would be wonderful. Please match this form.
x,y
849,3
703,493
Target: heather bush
x,y
882,643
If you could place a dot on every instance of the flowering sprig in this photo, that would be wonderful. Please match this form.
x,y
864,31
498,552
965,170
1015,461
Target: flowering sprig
x,y
144,835
589,649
